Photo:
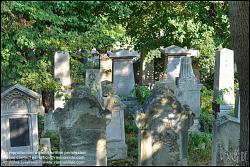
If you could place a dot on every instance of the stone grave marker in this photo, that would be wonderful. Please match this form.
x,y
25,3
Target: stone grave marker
x,y
19,126
225,143
82,129
224,81
117,148
123,71
163,129
62,72
188,90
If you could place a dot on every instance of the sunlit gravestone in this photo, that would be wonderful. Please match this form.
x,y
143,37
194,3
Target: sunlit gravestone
x,y
19,126
163,129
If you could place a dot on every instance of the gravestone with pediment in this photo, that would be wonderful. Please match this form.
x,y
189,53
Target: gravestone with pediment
x,y
117,148
123,71
225,141
82,129
19,126
163,124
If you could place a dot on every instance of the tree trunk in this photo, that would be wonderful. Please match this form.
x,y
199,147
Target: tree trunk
x,y
239,27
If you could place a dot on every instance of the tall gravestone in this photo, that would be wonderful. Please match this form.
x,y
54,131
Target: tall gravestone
x,y
123,71
82,129
188,89
224,81
163,129
62,72
19,126
105,68
117,148
225,143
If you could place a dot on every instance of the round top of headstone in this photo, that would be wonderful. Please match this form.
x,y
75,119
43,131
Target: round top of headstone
x,y
178,51
123,54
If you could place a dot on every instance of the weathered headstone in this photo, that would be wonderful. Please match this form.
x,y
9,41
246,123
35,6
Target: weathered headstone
x,y
188,90
46,150
117,148
224,81
62,72
106,68
19,126
175,54
93,81
82,129
225,143
163,129
123,71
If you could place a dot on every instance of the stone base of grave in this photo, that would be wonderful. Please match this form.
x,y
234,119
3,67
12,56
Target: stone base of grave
x,y
117,150
195,127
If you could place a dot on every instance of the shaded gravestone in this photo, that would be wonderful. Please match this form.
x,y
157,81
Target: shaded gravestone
x,y
93,81
117,148
225,141
188,90
123,71
163,129
62,72
224,81
46,150
19,126
82,129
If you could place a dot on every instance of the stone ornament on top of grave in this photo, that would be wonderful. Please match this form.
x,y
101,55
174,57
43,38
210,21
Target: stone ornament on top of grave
x,y
224,81
163,129
188,90
123,71
62,72
82,129
117,148
226,138
19,126
174,54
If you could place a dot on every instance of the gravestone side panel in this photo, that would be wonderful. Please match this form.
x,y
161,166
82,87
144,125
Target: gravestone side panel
x,y
19,130
82,124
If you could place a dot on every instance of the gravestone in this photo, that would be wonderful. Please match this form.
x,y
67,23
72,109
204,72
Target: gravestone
x,y
93,81
19,126
225,141
62,72
106,68
82,129
46,150
123,71
174,54
224,81
117,148
188,90
163,129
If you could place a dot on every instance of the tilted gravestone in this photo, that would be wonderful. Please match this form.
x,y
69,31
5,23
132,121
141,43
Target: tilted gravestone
x,y
62,72
117,148
82,128
224,81
163,129
19,126
226,138
188,90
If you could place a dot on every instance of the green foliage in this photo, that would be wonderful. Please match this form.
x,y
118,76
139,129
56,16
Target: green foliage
x,y
199,149
206,115
142,93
